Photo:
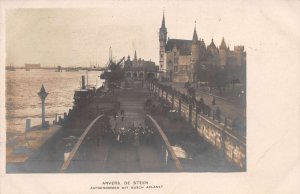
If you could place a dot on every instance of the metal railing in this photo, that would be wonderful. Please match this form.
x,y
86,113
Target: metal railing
x,y
168,144
77,145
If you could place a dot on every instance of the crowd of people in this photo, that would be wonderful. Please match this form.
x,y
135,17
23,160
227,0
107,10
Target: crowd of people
x,y
135,135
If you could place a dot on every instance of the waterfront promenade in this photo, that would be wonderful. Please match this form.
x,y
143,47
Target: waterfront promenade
x,y
23,147
100,152
112,156
229,108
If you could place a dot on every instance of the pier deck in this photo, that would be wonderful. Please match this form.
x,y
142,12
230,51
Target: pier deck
x,y
111,156
24,146
100,153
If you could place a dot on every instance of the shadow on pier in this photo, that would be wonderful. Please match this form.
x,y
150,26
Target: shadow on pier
x,y
125,140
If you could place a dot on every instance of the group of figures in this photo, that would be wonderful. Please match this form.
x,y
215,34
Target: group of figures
x,y
134,135
156,106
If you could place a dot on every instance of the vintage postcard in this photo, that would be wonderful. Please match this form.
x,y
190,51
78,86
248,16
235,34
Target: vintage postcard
x,y
122,96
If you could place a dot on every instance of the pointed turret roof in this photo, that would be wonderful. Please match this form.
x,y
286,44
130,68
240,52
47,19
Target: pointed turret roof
x,y
135,57
163,25
223,44
212,44
195,36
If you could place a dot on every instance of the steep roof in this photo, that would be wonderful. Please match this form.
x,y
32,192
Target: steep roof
x,y
223,44
212,44
183,45
163,25
135,57
195,36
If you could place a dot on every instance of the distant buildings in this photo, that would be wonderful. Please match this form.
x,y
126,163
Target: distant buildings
x,y
140,68
32,66
191,60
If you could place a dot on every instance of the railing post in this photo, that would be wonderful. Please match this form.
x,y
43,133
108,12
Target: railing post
x,y
196,121
223,142
190,113
179,105
167,95
172,99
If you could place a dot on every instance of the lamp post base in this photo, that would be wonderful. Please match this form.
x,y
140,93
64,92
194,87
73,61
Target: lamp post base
x,y
45,125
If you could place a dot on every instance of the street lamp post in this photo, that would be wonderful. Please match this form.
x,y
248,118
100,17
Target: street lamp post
x,y
43,94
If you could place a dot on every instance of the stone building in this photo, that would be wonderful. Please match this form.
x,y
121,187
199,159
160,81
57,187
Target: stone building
x,y
140,68
182,60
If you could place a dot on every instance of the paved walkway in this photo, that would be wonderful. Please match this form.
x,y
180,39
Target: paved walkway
x,y
111,156
228,108
132,102
19,149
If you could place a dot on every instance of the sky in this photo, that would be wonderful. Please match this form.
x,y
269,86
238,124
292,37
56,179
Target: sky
x,y
82,36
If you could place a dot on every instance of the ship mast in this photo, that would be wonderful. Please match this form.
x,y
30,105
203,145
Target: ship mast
x,y
110,54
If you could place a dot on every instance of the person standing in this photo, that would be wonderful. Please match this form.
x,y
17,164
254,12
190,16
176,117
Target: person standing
x,y
115,115
121,114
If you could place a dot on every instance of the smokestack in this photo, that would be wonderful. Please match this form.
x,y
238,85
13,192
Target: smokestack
x,y
82,82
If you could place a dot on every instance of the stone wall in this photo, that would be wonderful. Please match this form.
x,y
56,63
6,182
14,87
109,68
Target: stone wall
x,y
219,134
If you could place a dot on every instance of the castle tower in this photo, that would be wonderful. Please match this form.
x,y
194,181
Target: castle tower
x,y
135,62
223,52
195,53
239,55
195,47
135,57
162,42
212,48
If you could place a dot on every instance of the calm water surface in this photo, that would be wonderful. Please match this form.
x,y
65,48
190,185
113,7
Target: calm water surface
x,y
23,102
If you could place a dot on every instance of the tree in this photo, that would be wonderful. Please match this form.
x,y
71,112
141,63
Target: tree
x,y
113,74
220,79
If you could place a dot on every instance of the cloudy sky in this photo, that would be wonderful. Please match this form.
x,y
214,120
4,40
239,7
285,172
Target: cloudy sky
x,y
80,36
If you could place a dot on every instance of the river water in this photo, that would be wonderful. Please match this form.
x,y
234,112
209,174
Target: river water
x,y
22,101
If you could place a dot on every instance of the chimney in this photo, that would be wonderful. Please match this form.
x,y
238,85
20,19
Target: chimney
x,y
82,82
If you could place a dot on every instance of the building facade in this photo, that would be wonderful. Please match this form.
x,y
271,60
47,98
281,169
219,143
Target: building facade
x,y
140,68
183,60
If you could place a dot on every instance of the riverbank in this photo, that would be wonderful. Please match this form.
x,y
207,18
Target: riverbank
x,y
20,147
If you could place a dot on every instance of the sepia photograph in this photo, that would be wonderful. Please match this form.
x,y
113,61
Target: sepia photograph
x,y
77,105
149,89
